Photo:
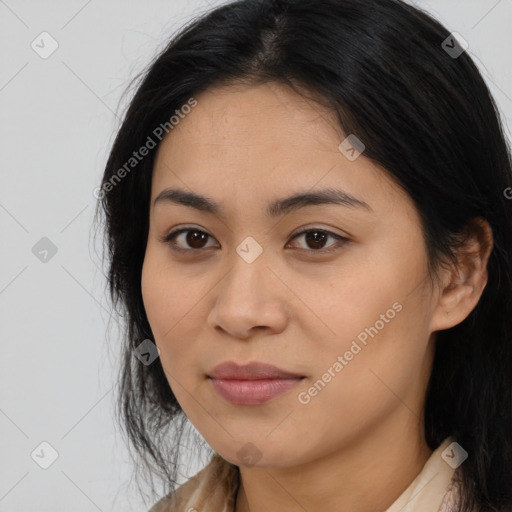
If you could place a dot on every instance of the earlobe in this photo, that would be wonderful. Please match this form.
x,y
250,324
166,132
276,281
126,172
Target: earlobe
x,y
464,282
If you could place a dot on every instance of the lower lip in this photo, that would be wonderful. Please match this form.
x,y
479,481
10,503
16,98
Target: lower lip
x,y
252,392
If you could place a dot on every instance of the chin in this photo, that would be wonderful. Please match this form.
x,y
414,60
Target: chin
x,y
259,452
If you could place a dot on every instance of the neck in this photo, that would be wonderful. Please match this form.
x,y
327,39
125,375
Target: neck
x,y
367,473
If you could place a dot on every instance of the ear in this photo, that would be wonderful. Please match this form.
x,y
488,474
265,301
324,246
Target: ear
x,y
462,284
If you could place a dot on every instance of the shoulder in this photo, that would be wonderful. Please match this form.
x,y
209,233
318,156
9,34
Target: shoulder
x,y
214,487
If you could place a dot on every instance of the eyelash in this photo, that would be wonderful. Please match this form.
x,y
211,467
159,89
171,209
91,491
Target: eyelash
x,y
169,239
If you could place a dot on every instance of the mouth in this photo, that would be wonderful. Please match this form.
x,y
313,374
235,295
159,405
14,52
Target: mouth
x,y
251,384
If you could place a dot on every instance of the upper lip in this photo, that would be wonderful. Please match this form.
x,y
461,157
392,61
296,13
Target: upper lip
x,y
252,371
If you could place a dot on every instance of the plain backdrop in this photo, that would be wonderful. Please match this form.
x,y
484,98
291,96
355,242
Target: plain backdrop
x,y
57,121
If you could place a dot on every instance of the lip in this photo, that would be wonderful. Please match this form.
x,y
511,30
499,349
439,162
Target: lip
x,y
251,384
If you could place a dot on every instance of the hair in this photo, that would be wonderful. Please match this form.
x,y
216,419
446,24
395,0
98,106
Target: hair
x,y
427,118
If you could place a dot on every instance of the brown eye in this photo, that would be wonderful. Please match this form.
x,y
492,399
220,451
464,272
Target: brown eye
x,y
194,239
317,238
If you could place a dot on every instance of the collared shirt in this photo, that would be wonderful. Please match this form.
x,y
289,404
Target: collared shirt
x,y
215,487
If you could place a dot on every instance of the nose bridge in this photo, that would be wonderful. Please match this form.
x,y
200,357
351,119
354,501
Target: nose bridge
x,y
248,268
245,297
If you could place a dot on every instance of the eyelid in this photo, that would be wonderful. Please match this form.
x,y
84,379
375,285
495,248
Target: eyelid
x,y
316,227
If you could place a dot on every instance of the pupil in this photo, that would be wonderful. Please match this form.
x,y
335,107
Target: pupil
x,y
195,237
315,239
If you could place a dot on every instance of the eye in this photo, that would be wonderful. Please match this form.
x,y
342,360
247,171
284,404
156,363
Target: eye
x,y
196,240
316,239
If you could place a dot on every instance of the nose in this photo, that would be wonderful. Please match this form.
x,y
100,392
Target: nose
x,y
250,298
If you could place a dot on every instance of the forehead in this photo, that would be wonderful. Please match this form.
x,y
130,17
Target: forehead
x,y
267,117
258,101
255,141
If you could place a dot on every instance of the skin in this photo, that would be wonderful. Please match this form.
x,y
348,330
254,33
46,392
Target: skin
x,y
295,306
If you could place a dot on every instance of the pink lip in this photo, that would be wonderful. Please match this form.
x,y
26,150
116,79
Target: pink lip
x,y
251,384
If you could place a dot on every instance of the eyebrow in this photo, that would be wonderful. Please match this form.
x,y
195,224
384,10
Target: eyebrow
x,y
274,209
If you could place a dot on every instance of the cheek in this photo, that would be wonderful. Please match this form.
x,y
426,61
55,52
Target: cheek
x,y
380,324
392,360
172,312
168,296
358,383
171,308
352,303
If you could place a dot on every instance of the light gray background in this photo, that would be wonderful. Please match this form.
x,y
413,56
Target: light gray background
x,y
57,121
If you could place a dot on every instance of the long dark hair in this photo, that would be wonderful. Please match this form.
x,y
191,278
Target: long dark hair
x,y
424,114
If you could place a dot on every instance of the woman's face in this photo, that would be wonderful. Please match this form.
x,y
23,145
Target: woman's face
x,y
351,319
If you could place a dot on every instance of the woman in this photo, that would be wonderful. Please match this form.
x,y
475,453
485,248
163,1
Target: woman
x,y
310,236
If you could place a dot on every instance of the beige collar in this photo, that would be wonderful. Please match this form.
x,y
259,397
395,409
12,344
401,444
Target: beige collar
x,y
427,490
